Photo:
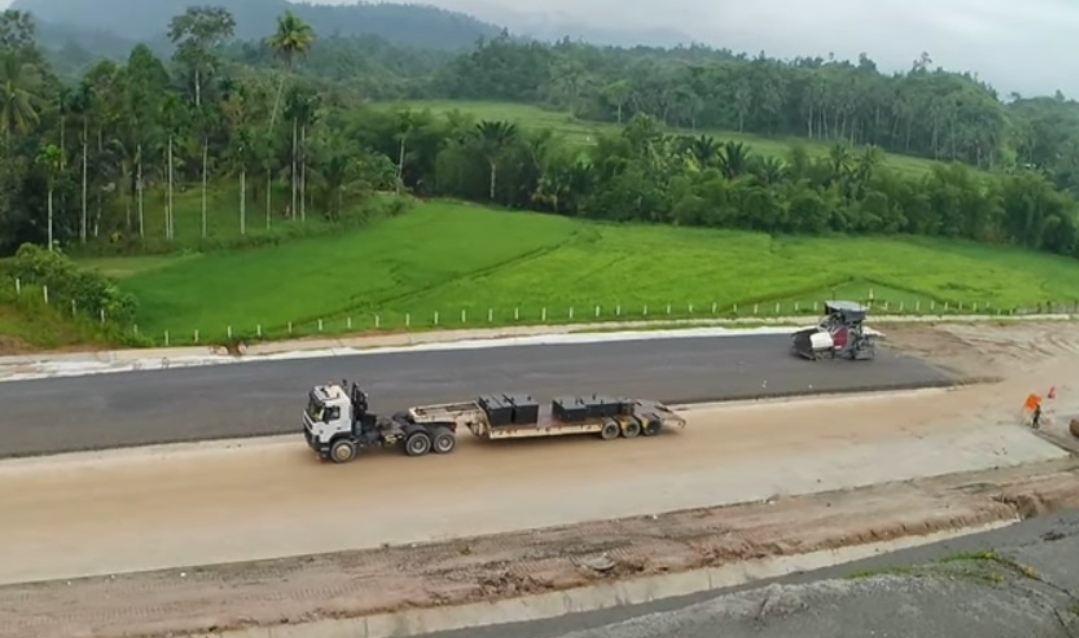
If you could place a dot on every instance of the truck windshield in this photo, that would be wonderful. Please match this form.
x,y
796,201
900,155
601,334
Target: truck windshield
x,y
315,408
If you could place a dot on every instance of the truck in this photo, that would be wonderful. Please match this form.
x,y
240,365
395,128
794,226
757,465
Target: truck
x,y
338,423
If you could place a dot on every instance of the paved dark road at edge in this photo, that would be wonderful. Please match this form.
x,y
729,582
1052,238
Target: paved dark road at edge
x,y
232,400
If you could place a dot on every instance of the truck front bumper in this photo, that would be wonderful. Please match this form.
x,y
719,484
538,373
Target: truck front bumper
x,y
314,443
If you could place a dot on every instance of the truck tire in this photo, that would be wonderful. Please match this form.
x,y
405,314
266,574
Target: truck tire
x,y
418,444
611,430
631,429
652,427
342,451
444,441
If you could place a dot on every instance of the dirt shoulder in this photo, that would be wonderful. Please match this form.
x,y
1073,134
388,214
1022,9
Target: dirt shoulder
x,y
306,588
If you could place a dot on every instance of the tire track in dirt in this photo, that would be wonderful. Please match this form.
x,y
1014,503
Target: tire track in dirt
x,y
350,584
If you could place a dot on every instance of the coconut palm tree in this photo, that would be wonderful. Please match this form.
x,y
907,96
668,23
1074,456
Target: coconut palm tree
x,y
82,106
494,137
51,160
19,99
293,38
404,124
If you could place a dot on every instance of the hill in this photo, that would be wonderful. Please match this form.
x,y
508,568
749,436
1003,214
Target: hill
x,y
463,261
584,134
87,21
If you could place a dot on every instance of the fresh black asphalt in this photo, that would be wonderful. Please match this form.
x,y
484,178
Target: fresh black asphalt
x,y
267,397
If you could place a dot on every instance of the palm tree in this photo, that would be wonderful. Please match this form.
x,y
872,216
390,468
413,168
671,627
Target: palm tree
x,y
204,126
64,103
19,102
494,137
293,38
301,108
337,173
405,123
171,111
51,160
769,170
734,159
839,160
82,105
703,151
19,99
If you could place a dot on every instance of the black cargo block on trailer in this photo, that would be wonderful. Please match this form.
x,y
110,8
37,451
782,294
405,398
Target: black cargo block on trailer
x,y
602,407
569,409
525,409
498,413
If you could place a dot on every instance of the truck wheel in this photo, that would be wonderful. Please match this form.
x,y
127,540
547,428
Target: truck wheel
x,y
444,441
652,428
418,444
631,429
610,431
342,451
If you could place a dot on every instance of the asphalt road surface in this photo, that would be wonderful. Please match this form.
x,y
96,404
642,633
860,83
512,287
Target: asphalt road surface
x,y
912,593
249,399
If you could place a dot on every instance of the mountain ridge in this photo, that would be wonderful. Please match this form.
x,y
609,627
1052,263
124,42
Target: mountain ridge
x,y
414,25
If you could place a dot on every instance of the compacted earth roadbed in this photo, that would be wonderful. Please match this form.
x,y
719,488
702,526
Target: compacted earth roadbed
x,y
359,583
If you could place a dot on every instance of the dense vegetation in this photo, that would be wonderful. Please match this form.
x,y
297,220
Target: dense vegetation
x,y
92,153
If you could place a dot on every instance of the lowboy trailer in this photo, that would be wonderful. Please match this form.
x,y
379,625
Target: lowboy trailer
x,y
337,424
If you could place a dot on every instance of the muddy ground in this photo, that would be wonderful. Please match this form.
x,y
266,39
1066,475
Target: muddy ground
x,y
1025,357
365,582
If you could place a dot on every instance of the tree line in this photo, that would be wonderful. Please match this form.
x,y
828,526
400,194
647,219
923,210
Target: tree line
x,y
927,112
81,159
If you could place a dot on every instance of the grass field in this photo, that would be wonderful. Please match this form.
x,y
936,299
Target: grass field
x,y
582,133
449,258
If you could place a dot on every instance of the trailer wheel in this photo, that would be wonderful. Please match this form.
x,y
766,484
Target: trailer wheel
x,y
418,444
342,451
631,429
610,430
444,441
652,428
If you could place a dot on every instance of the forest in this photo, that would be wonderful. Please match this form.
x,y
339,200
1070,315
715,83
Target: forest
x,y
293,124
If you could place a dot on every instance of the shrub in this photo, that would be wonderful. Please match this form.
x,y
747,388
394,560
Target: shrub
x,y
90,291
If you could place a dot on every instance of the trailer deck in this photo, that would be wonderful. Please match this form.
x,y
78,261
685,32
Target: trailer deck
x,y
605,416
515,416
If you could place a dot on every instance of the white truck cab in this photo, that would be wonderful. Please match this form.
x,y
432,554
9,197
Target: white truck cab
x,y
328,414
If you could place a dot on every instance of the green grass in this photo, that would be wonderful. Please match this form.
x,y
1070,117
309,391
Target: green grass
x,y
363,270
27,326
449,258
581,133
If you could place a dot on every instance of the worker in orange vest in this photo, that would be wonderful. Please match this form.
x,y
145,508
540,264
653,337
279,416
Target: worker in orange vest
x,y
1034,404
